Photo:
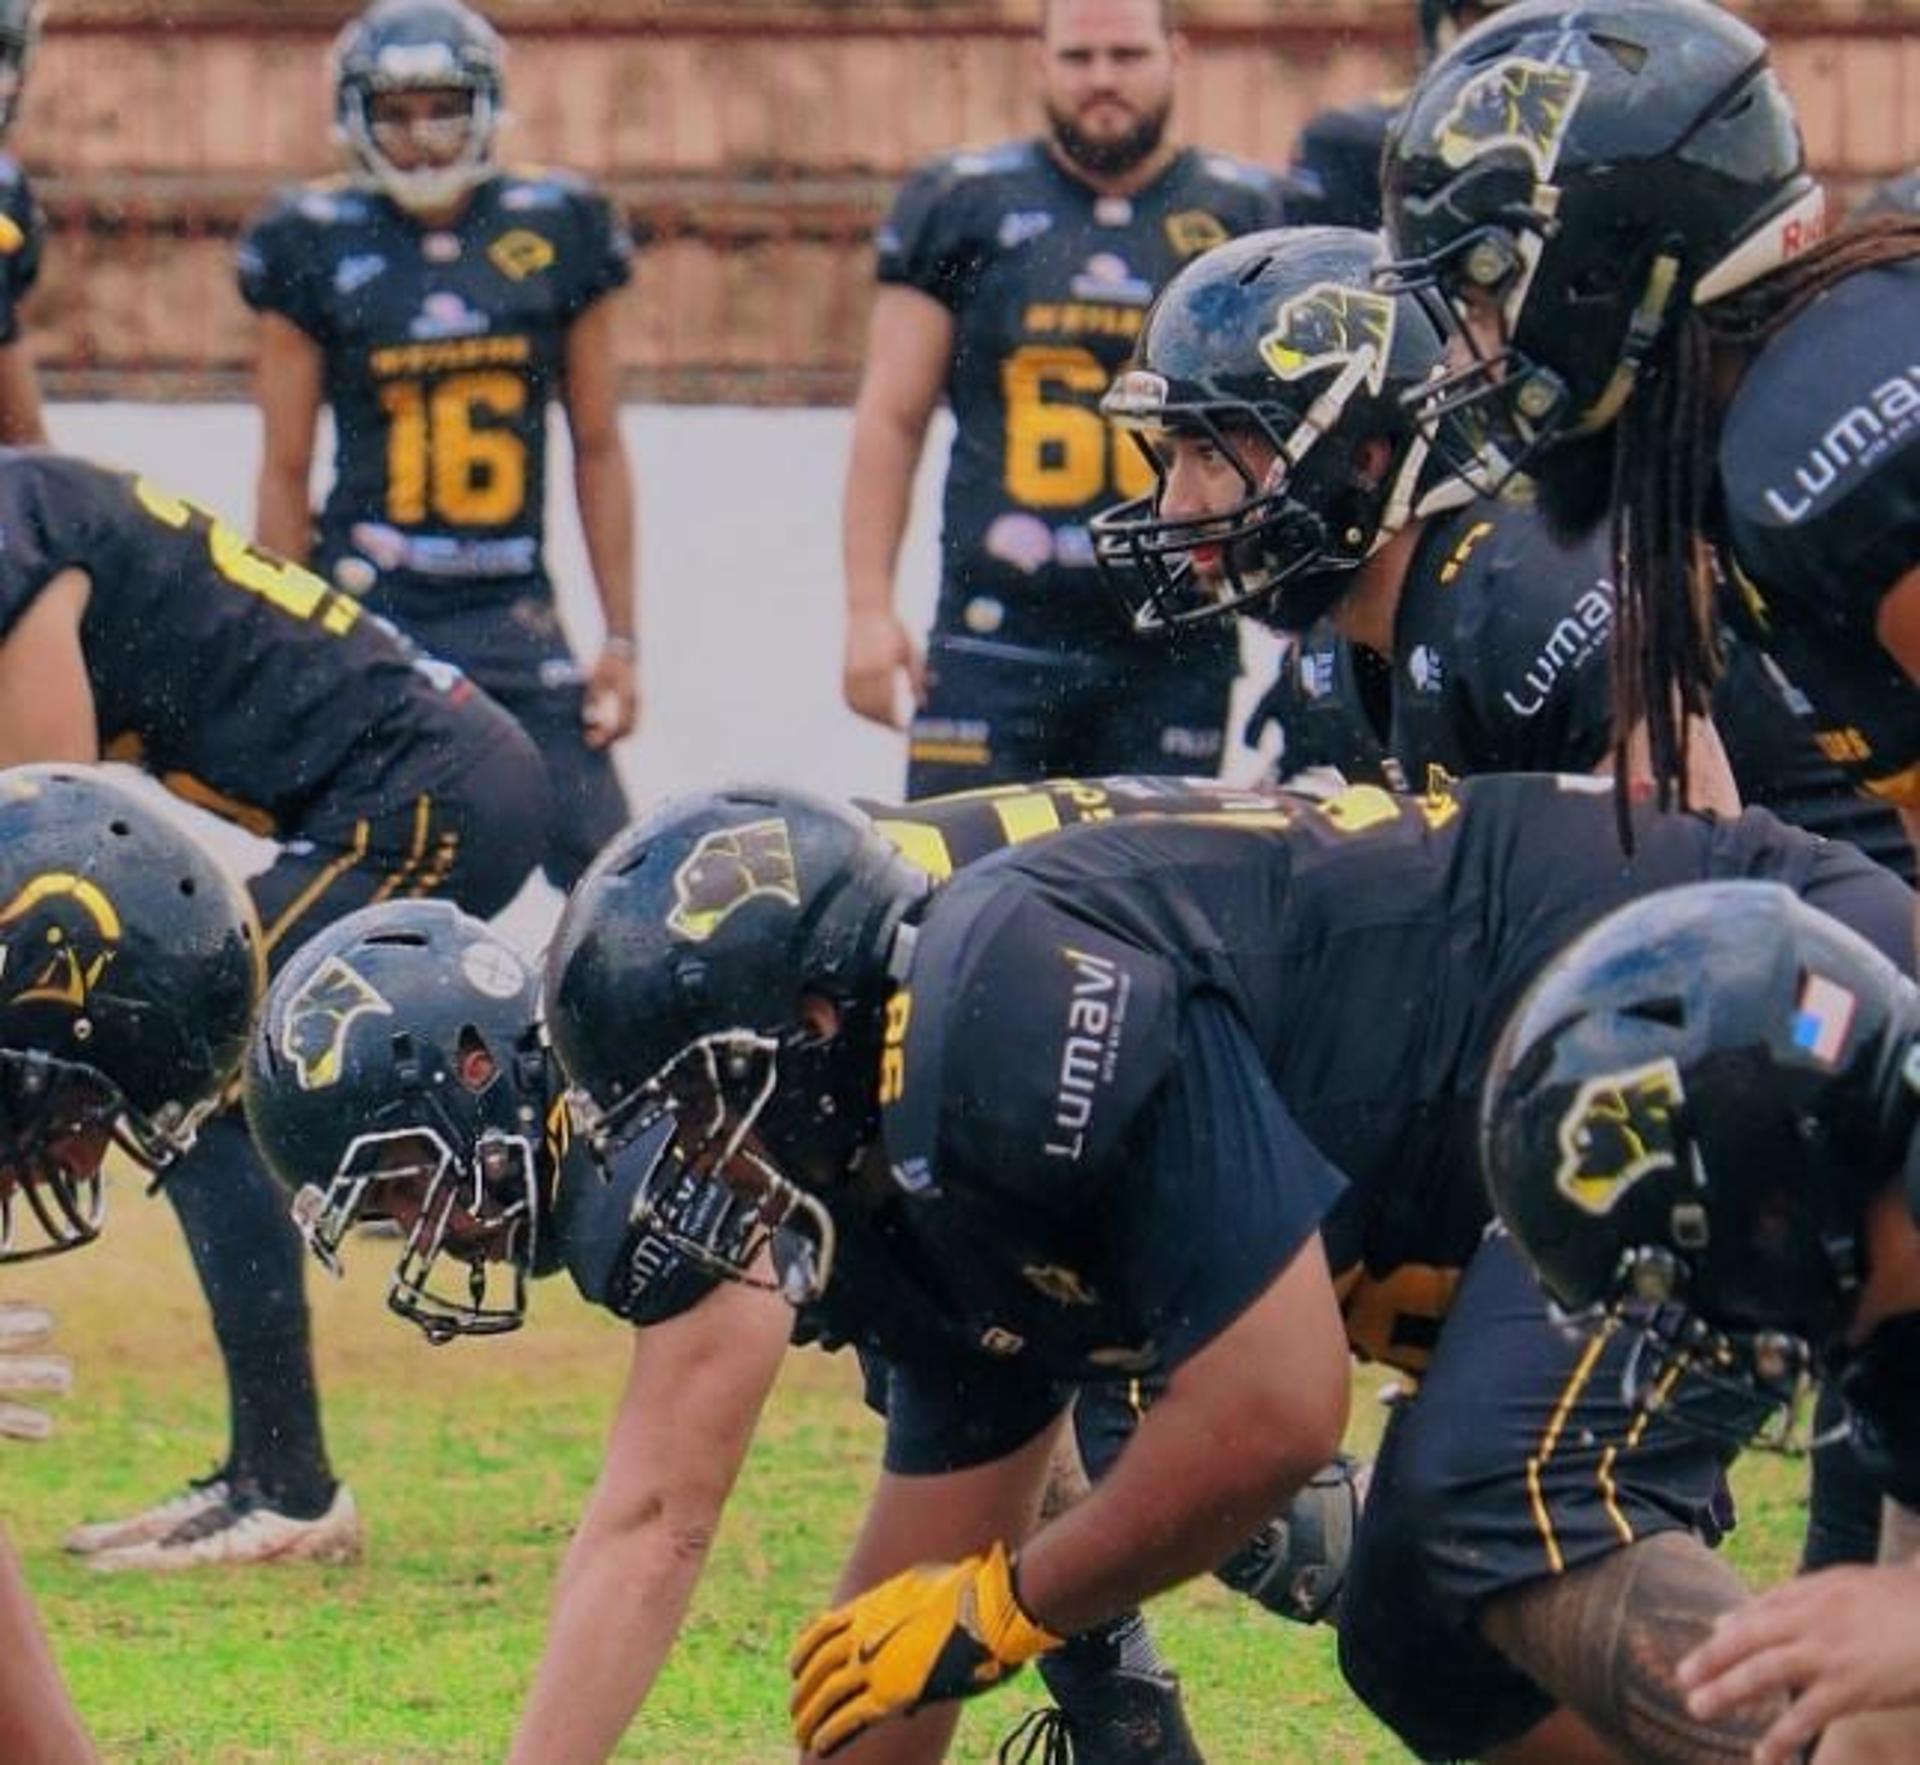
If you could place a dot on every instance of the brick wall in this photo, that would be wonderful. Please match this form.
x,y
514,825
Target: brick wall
x,y
753,144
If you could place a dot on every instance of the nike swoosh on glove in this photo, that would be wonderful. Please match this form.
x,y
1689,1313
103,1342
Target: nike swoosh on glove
x,y
945,1630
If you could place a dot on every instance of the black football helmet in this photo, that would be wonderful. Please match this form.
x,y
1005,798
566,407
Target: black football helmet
x,y
20,22
129,967
398,1072
1441,21
1279,335
1589,171
674,989
413,46
1688,1113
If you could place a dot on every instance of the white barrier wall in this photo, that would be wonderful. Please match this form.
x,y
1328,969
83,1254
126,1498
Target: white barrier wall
x,y
740,573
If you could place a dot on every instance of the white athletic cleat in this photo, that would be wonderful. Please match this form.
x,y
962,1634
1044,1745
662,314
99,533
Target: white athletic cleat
x,y
240,1529
150,1523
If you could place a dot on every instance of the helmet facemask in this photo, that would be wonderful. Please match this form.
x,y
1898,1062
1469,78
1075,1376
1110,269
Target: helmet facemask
x,y
716,1194
481,1211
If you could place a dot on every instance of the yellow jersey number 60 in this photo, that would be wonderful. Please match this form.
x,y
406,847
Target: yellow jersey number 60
x,y
1061,452
443,461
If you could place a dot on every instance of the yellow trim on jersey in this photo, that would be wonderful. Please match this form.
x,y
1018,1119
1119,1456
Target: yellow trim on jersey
x,y
1027,817
949,753
422,826
362,835
202,795
1899,788
1550,1440
918,844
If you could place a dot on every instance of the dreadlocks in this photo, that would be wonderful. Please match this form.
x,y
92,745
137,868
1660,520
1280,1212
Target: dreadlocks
x,y
1665,448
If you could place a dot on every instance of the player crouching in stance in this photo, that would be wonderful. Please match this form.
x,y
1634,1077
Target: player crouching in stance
x,y
129,966
1703,1130
437,1097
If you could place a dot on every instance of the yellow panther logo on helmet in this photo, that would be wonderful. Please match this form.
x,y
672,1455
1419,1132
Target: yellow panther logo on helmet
x,y
57,936
1518,102
728,868
315,1021
1331,323
1618,1131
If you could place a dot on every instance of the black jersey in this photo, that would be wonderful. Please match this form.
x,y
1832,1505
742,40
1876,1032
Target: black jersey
x,y
1048,283
1820,492
1367,947
443,348
1334,180
22,232
244,683
1502,663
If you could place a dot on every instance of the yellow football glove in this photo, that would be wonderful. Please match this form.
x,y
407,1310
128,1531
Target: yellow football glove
x,y
936,1632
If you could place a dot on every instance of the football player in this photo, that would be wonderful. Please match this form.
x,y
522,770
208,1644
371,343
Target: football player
x,y
1711,1102
1610,209
134,626
437,303
432,1116
1191,1094
1012,283
129,967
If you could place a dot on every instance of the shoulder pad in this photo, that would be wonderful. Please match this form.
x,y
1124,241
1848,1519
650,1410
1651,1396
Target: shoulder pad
x,y
1032,1041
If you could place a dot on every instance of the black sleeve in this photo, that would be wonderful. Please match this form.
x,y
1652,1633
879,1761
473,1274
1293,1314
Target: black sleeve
x,y
1532,646
274,265
1820,455
1220,1190
602,256
925,242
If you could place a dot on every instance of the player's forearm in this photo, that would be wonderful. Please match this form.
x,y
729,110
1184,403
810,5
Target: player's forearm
x,y
622,1597
880,470
1188,1489
603,482
282,520
38,1722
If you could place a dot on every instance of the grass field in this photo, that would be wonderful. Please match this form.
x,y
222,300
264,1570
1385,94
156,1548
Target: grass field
x,y
470,1463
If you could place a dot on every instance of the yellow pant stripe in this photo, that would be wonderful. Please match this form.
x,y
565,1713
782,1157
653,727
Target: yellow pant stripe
x,y
1569,1396
422,825
298,906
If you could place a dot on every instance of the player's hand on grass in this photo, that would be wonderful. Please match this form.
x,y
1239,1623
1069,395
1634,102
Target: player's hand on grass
x,y
879,649
1840,1642
23,1373
946,1630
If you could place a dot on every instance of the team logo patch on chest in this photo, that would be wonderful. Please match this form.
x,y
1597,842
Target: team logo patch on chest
x,y
521,253
1519,102
315,1021
726,870
1193,231
1618,1131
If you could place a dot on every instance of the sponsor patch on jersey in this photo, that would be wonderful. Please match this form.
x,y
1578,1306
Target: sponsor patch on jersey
x,y
1112,211
1098,996
1108,276
521,253
446,314
1617,1132
1328,324
1022,540
1064,1286
1193,231
315,1021
1518,102
1426,670
354,272
728,868
1022,226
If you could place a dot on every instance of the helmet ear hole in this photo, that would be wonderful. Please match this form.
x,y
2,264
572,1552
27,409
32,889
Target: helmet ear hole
x,y
476,1066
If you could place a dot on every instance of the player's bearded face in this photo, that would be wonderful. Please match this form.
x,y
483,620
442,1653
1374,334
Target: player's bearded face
x,y
1107,70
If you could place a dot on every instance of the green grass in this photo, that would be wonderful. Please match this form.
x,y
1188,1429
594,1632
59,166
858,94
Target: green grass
x,y
470,1463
